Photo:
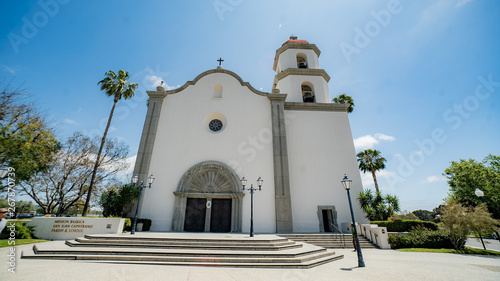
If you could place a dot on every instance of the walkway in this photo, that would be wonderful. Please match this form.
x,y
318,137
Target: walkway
x,y
380,265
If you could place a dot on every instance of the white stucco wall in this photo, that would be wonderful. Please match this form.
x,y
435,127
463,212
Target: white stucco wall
x,y
320,152
183,140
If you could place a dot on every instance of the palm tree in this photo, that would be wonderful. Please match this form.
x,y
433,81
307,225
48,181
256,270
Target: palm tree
x,y
371,161
343,99
114,86
378,206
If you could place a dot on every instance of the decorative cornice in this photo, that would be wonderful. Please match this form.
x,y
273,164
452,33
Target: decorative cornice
x,y
316,106
277,97
156,94
302,71
294,46
212,71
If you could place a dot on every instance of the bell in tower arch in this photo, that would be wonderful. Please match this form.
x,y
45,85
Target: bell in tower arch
x,y
307,94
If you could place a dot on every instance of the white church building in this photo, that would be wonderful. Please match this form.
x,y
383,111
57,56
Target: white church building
x,y
200,139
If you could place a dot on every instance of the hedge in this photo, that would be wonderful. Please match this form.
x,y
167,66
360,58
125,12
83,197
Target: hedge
x,y
405,225
421,238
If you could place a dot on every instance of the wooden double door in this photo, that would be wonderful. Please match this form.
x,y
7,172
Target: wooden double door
x,y
212,217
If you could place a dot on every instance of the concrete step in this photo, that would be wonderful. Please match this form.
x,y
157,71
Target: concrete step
x,y
195,237
185,245
182,252
193,252
177,242
330,241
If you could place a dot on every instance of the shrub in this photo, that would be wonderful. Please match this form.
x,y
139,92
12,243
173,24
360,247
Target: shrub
x,y
421,238
146,224
127,226
405,225
21,230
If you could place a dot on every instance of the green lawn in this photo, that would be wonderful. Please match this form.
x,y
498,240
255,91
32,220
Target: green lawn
x,y
468,251
5,242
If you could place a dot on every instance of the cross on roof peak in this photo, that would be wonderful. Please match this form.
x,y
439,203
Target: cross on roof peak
x,y
220,60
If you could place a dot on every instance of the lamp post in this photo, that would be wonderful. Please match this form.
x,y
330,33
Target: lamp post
x,y
346,182
259,183
151,179
479,193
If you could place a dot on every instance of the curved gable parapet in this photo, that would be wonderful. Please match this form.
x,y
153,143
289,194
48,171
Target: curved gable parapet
x,y
212,71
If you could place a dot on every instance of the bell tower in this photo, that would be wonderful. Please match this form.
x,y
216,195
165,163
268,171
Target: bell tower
x,y
298,73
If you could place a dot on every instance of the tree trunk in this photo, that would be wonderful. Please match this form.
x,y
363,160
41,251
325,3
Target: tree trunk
x,y
96,165
375,180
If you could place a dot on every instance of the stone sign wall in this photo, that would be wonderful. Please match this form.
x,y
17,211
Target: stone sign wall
x,y
63,228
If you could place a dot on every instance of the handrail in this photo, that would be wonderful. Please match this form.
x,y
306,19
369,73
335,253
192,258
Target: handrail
x,y
342,237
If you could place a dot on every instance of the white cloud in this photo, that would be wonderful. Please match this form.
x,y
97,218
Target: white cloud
x,y
155,81
8,69
384,137
70,122
370,141
363,142
431,179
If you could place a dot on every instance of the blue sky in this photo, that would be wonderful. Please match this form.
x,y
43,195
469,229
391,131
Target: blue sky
x,y
424,75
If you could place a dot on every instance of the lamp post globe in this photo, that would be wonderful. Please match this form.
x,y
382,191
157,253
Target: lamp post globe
x,y
4,170
479,193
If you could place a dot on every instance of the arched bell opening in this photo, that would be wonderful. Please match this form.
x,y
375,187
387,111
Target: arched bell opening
x,y
307,93
301,60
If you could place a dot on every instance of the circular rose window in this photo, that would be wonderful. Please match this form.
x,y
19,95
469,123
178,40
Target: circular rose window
x,y
215,125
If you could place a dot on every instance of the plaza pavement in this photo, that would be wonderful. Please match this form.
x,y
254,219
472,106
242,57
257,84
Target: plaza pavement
x,y
380,265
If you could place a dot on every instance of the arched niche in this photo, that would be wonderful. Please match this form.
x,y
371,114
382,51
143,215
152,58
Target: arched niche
x,y
217,92
209,181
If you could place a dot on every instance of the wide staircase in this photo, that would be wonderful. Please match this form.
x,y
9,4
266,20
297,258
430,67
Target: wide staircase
x,y
330,241
193,249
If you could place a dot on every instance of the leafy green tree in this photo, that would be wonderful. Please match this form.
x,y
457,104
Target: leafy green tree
x,y
345,99
115,86
378,206
480,221
67,179
423,215
460,221
370,160
454,220
465,176
27,142
24,207
118,200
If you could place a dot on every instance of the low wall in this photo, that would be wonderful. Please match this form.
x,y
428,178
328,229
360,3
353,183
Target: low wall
x,y
376,234
64,228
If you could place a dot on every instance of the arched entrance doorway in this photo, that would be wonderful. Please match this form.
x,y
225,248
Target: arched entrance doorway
x,y
208,199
